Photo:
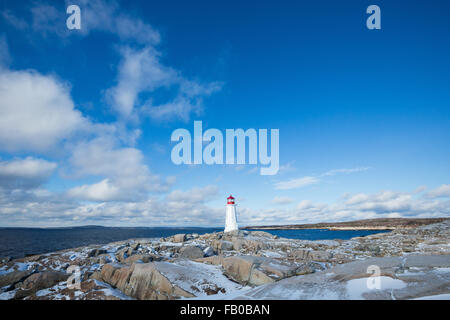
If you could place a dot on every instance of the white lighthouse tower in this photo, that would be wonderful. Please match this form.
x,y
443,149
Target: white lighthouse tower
x,y
230,220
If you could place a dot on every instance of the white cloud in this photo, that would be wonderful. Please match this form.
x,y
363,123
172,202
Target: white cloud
x,y
288,167
142,72
48,20
345,171
305,204
384,204
25,173
280,200
357,198
37,115
97,16
16,22
190,208
440,192
195,195
305,181
107,16
420,189
125,177
36,112
295,183
180,108
181,208
102,191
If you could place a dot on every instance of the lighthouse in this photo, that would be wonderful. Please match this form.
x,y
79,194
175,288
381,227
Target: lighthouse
x,y
230,220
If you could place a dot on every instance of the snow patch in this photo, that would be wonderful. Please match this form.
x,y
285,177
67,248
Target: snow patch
x,y
8,295
197,277
357,287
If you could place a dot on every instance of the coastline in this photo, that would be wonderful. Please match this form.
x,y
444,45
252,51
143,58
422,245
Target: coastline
x,y
323,228
414,263
367,224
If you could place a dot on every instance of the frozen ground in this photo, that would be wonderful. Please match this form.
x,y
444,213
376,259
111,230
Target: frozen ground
x,y
403,264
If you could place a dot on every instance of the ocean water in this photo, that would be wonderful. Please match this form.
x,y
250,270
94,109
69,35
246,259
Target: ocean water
x,y
323,234
20,242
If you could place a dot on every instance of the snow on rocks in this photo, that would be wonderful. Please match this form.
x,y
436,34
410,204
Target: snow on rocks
x,y
206,280
413,263
38,281
352,281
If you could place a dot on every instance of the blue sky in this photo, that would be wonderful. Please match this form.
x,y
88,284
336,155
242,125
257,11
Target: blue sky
x,y
86,115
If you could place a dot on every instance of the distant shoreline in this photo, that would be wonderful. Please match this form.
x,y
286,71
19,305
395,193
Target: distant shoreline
x,y
368,224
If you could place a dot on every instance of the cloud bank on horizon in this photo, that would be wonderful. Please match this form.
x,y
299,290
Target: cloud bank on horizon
x,y
86,116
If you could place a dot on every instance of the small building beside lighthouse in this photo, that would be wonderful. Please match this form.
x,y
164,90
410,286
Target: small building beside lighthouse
x,y
230,219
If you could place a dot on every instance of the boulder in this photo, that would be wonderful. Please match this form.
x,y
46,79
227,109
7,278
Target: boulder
x,y
104,258
179,238
191,252
142,281
96,275
222,245
255,245
33,258
301,254
238,243
406,277
249,245
116,276
258,277
342,257
244,270
39,281
122,254
255,271
196,278
321,256
138,258
239,267
226,246
208,252
96,252
130,251
375,250
106,273
135,246
262,234
214,260
90,285
147,282
314,255
211,236
235,233
5,259
11,278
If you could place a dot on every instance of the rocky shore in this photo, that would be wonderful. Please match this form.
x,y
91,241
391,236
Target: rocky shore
x,y
402,264
367,224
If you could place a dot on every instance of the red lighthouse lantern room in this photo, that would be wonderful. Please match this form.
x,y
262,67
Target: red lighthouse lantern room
x,y
230,200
